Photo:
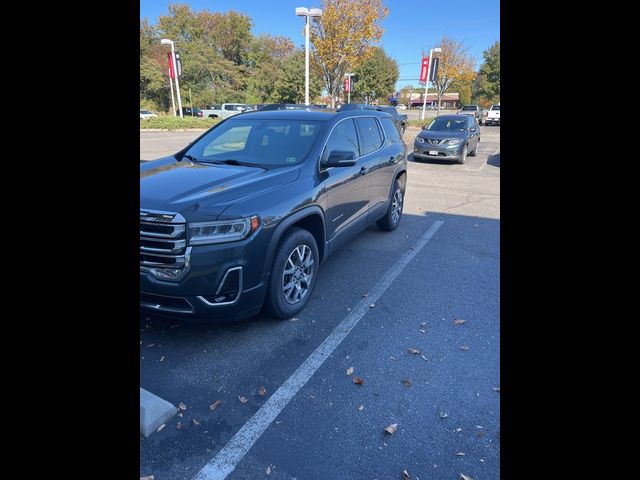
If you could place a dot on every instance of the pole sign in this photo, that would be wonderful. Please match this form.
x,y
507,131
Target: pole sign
x,y
433,72
424,69
171,72
347,84
178,65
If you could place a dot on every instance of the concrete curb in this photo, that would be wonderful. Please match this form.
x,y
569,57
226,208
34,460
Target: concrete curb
x,y
154,411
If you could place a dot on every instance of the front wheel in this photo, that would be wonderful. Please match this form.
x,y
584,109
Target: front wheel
x,y
391,219
463,157
293,274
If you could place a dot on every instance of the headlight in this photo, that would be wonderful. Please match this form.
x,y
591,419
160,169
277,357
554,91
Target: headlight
x,y
205,233
454,141
420,140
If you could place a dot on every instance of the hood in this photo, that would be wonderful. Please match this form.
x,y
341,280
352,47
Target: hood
x,y
442,134
204,191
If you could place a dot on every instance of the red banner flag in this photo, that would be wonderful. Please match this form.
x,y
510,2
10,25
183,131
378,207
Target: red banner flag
x,y
424,69
347,85
172,73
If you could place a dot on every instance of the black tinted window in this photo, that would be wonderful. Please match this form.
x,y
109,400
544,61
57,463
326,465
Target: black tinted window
x,y
343,137
370,136
391,129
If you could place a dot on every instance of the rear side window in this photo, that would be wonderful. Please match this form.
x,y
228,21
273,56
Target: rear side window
x,y
391,130
370,135
343,137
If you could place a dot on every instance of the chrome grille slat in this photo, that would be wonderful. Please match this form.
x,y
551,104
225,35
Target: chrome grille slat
x,y
163,241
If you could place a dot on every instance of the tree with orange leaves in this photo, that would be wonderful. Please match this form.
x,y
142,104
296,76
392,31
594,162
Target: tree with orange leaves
x,y
343,38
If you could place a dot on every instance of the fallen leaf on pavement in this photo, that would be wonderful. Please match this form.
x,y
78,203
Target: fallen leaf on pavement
x,y
465,477
162,358
407,383
262,391
242,399
391,429
358,380
424,358
268,470
458,429
464,348
161,427
405,475
392,358
496,389
413,350
195,422
360,408
459,321
182,406
443,415
350,370
215,405
371,305
178,426
423,331
423,324
460,454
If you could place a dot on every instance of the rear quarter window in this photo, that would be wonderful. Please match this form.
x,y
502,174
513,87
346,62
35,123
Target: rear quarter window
x,y
391,129
370,135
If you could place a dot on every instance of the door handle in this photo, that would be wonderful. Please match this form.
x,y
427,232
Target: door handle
x,y
363,171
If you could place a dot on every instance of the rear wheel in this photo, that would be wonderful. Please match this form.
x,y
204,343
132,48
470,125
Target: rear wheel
x,y
391,219
293,274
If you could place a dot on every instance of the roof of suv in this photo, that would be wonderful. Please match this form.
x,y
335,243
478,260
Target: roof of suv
x,y
310,114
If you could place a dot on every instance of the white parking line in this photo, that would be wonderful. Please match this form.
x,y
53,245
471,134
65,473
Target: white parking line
x,y
226,460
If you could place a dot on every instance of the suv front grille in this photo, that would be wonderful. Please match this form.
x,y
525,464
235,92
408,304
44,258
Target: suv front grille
x,y
163,241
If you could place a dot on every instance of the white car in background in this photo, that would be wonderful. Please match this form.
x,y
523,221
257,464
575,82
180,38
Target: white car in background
x,y
145,114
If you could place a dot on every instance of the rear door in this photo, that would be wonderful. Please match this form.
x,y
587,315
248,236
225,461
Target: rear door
x,y
347,188
375,158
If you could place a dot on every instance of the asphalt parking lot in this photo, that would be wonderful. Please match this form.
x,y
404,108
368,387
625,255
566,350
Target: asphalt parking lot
x,y
422,304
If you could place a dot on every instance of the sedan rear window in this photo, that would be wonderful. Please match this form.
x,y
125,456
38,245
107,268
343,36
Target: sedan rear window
x,y
470,107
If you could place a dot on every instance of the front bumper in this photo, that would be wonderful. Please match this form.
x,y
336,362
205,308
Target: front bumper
x,y
209,267
422,150
492,121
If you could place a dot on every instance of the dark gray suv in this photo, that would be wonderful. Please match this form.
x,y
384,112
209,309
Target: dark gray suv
x,y
448,137
243,217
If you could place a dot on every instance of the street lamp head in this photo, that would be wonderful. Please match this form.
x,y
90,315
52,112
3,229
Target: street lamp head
x,y
437,50
315,12
302,11
166,41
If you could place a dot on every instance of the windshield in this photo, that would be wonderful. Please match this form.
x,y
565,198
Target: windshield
x,y
268,143
495,107
448,125
470,107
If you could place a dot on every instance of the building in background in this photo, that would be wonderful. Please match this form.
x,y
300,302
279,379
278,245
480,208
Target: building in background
x,y
449,101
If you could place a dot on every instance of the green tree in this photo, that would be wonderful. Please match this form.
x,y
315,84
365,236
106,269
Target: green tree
x,y
487,84
289,87
376,76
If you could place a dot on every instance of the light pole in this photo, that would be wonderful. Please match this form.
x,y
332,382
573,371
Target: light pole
x,y
307,13
349,75
166,41
426,83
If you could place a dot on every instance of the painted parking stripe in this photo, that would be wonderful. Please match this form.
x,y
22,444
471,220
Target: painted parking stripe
x,y
226,460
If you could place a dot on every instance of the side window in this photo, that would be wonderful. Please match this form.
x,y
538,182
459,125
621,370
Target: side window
x,y
229,107
370,135
391,129
343,137
472,121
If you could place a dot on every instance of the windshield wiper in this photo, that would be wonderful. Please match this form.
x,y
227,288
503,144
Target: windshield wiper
x,y
189,157
232,161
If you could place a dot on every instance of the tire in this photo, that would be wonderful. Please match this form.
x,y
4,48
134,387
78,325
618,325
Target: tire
x,y
463,157
392,217
475,150
281,302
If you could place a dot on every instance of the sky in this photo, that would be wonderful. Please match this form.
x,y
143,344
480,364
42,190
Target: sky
x,y
411,26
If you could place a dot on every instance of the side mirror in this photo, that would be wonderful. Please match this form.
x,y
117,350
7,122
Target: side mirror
x,y
340,158
423,127
473,129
